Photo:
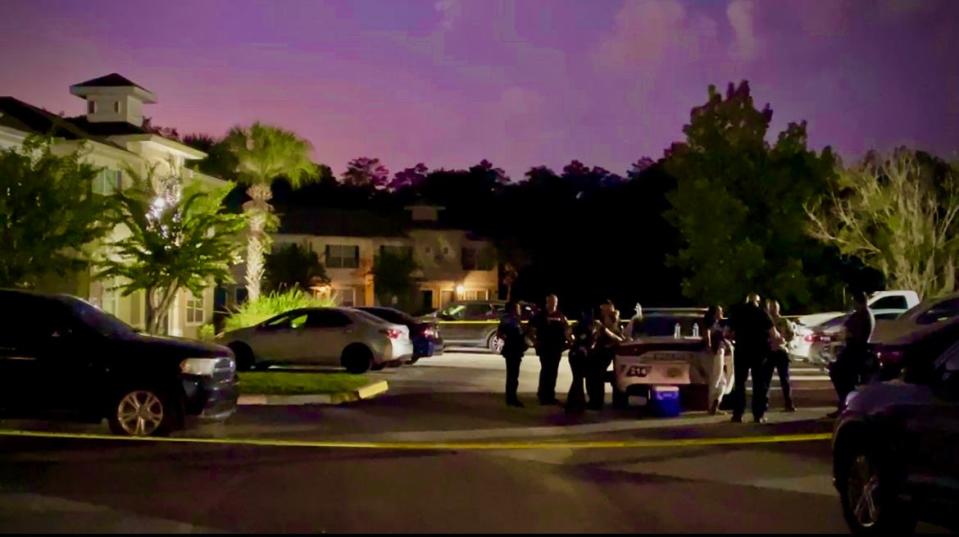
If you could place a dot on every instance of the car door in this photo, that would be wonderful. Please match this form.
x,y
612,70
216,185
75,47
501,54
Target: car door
x,y
451,322
325,335
934,425
278,339
49,366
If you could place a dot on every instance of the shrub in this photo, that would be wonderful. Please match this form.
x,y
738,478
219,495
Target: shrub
x,y
275,303
206,333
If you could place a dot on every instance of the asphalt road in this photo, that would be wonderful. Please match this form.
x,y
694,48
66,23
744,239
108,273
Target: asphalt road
x,y
78,485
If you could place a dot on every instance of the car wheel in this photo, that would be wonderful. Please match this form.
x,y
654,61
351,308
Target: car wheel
x,y
494,344
869,498
357,359
143,412
245,359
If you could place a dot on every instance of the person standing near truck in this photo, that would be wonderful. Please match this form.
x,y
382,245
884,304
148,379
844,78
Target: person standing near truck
x,y
607,335
551,334
852,366
751,328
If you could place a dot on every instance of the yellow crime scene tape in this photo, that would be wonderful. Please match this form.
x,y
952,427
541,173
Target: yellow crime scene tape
x,y
437,446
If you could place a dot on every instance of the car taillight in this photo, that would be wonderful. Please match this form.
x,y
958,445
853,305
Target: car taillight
x,y
818,338
889,356
429,332
391,333
809,338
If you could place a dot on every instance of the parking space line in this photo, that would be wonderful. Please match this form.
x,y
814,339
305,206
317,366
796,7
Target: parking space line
x,y
438,446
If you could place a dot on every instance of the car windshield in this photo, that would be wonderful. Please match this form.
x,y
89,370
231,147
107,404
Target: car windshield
x,y
833,323
661,326
97,319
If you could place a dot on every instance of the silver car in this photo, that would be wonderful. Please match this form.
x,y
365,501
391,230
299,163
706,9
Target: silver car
x,y
344,337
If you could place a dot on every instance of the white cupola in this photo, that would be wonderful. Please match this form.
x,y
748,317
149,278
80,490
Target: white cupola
x,y
113,98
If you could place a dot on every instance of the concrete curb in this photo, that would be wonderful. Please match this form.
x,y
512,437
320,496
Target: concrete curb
x,y
369,391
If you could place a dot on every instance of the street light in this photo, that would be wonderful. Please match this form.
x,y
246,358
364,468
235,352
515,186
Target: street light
x,y
460,291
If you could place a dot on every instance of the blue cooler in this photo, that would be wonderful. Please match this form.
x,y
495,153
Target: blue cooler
x,y
664,401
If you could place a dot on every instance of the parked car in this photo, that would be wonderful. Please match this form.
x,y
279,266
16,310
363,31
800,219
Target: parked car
x,y
670,351
923,317
63,358
826,340
911,348
473,323
900,300
896,445
344,337
426,337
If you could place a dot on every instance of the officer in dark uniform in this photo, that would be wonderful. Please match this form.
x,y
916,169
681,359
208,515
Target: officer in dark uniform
x,y
511,331
854,365
751,327
551,333
579,362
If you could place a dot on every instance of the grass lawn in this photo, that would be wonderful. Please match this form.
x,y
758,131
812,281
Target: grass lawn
x,y
288,383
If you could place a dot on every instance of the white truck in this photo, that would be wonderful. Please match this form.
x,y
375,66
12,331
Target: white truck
x,y
896,301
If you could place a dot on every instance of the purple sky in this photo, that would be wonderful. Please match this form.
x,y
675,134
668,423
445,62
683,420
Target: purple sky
x,y
519,82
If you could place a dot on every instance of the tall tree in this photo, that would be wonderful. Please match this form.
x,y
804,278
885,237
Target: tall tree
x,y
293,266
897,213
739,203
264,153
366,171
48,213
179,238
409,177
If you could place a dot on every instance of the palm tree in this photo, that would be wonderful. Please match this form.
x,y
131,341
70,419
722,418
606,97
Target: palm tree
x,y
263,153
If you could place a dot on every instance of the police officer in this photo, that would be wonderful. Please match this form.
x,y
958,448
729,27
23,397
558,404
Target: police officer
x,y
751,328
779,355
582,345
511,331
551,333
852,366
607,335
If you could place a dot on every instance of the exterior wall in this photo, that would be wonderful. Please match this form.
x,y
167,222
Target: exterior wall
x,y
436,252
130,309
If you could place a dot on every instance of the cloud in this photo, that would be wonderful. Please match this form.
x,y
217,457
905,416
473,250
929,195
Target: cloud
x,y
741,16
646,32
450,11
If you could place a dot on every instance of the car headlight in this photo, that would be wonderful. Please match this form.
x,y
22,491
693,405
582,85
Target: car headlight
x,y
207,367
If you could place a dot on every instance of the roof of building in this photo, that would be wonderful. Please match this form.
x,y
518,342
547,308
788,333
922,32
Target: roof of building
x,y
111,80
108,128
19,115
339,223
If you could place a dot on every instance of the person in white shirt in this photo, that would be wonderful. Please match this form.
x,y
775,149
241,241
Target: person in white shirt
x,y
722,370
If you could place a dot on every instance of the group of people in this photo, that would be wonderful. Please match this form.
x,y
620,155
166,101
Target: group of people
x,y
761,338
591,343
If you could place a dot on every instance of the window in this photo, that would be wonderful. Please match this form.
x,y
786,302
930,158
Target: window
x,y
890,303
105,296
342,256
91,107
136,308
345,296
476,294
468,259
327,319
397,251
107,182
940,312
194,310
887,316
446,297
116,107
478,312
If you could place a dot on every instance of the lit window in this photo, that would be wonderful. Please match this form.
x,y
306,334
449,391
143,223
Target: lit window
x,y
345,296
194,310
342,256
107,182
476,294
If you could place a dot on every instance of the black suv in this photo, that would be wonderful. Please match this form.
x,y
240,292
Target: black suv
x,y
62,358
896,445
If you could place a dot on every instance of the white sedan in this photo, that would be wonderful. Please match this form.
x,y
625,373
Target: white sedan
x,y
351,338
